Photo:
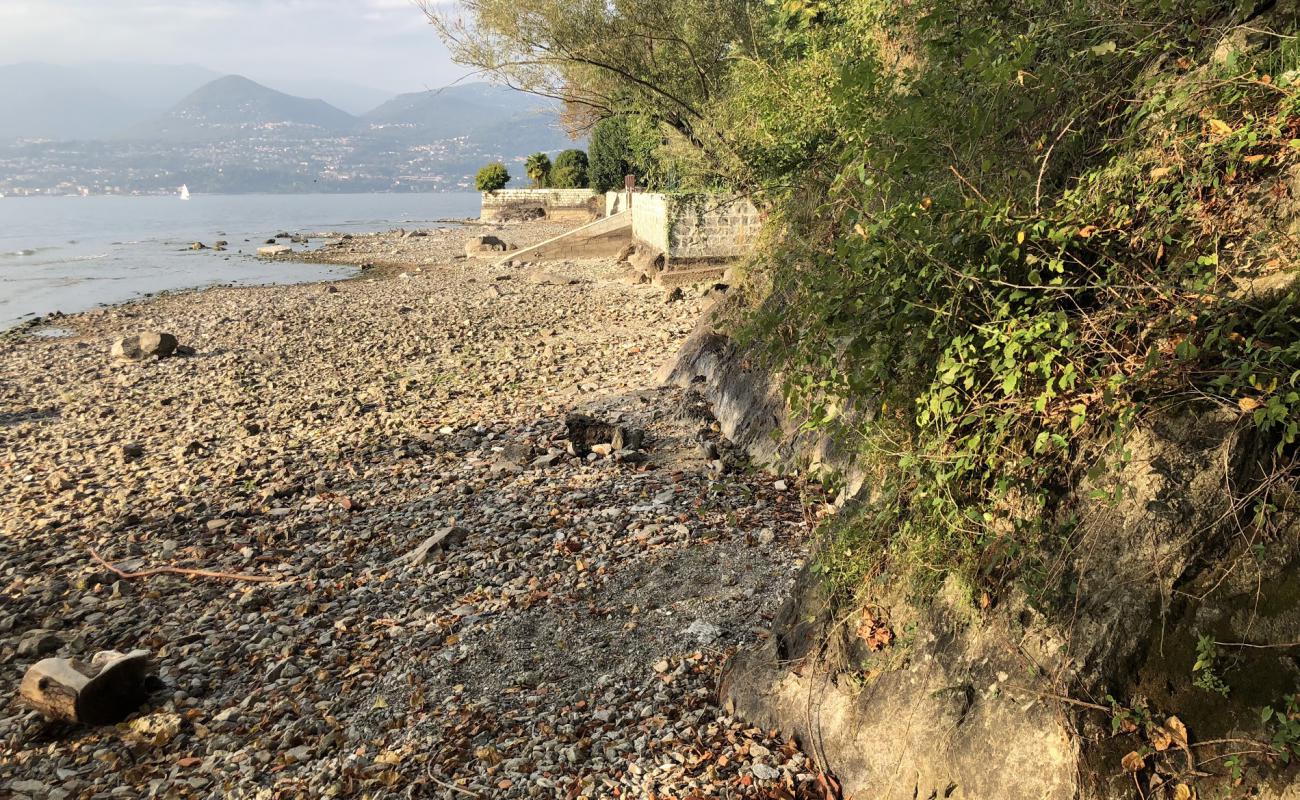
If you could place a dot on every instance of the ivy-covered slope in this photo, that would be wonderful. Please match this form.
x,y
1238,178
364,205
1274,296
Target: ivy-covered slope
x,y
1031,266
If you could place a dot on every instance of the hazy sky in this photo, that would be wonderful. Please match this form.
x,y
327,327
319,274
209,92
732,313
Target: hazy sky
x,y
386,44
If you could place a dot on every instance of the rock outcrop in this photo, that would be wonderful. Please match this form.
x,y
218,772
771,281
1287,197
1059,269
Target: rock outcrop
x,y
1032,697
150,344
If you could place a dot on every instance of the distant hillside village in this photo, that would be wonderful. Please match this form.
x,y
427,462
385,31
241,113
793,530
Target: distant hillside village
x,y
233,135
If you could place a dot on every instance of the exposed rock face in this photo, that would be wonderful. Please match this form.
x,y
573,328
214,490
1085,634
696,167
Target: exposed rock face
x,y
975,702
150,344
486,245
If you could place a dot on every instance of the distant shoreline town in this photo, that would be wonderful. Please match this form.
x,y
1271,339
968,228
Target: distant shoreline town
x,y
232,135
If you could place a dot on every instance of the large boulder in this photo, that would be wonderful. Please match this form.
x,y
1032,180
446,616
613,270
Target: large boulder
x,y
150,344
486,245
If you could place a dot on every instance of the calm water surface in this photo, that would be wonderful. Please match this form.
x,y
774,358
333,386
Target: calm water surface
x,y
74,253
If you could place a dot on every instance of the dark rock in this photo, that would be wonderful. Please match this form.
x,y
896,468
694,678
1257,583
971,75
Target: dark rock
x,y
584,431
38,642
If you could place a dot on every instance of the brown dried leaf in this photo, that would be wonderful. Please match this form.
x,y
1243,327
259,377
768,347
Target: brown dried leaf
x,y
1133,762
1161,739
1179,731
1184,792
1248,404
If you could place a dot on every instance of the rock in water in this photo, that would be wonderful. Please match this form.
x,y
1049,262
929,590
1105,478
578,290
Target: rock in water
x,y
274,250
145,345
480,245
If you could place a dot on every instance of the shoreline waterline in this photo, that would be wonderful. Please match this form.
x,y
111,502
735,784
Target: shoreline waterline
x,y
66,255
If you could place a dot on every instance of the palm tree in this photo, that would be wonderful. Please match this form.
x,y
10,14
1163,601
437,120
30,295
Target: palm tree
x,y
538,168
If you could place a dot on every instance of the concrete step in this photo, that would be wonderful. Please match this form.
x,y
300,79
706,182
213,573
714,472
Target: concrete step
x,y
672,278
600,239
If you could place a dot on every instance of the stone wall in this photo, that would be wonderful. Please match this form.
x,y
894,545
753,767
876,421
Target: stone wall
x,y
558,204
695,227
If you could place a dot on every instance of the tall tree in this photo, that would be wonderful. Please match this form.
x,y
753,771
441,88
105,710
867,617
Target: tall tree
x,y
664,58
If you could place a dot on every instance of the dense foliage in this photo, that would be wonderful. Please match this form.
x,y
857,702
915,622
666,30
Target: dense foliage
x,y
610,154
1003,233
570,170
1012,230
492,177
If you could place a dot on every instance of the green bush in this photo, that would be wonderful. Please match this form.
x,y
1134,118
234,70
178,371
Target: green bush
x,y
570,170
568,178
492,177
1010,244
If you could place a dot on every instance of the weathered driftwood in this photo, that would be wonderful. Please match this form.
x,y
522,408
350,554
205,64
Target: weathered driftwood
x,y
104,691
186,571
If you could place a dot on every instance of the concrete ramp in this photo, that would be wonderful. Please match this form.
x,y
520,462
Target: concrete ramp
x,y
600,239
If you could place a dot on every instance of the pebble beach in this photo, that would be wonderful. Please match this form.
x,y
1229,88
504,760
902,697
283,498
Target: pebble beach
x,y
427,590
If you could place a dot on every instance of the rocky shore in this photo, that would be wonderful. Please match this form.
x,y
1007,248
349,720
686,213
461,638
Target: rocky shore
x,y
466,602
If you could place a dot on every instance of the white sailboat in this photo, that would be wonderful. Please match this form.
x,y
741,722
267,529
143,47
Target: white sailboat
x,y
185,192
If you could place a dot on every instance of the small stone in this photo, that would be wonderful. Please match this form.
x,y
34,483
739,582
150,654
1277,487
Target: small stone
x,y
129,451
39,642
703,632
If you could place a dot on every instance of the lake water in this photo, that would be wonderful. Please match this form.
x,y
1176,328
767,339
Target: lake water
x,y
74,253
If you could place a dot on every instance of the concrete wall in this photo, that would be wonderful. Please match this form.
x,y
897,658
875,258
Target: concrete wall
x,y
615,202
695,227
578,205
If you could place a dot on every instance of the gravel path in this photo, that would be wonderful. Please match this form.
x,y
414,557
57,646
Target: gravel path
x,y
566,642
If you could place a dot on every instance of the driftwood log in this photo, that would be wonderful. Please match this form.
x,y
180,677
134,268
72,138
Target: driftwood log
x,y
102,692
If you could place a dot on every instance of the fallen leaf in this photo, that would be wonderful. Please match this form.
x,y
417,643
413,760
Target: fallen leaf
x,y
1161,739
1133,762
1248,404
1183,792
1220,127
1160,172
1179,731
1255,159
1087,230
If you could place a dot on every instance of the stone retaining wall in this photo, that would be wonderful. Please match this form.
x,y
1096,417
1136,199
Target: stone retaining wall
x,y
695,227
578,205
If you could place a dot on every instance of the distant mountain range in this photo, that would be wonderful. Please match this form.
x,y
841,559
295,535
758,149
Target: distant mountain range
x,y
97,125
234,106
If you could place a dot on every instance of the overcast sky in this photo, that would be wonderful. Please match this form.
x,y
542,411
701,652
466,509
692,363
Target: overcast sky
x,y
385,44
